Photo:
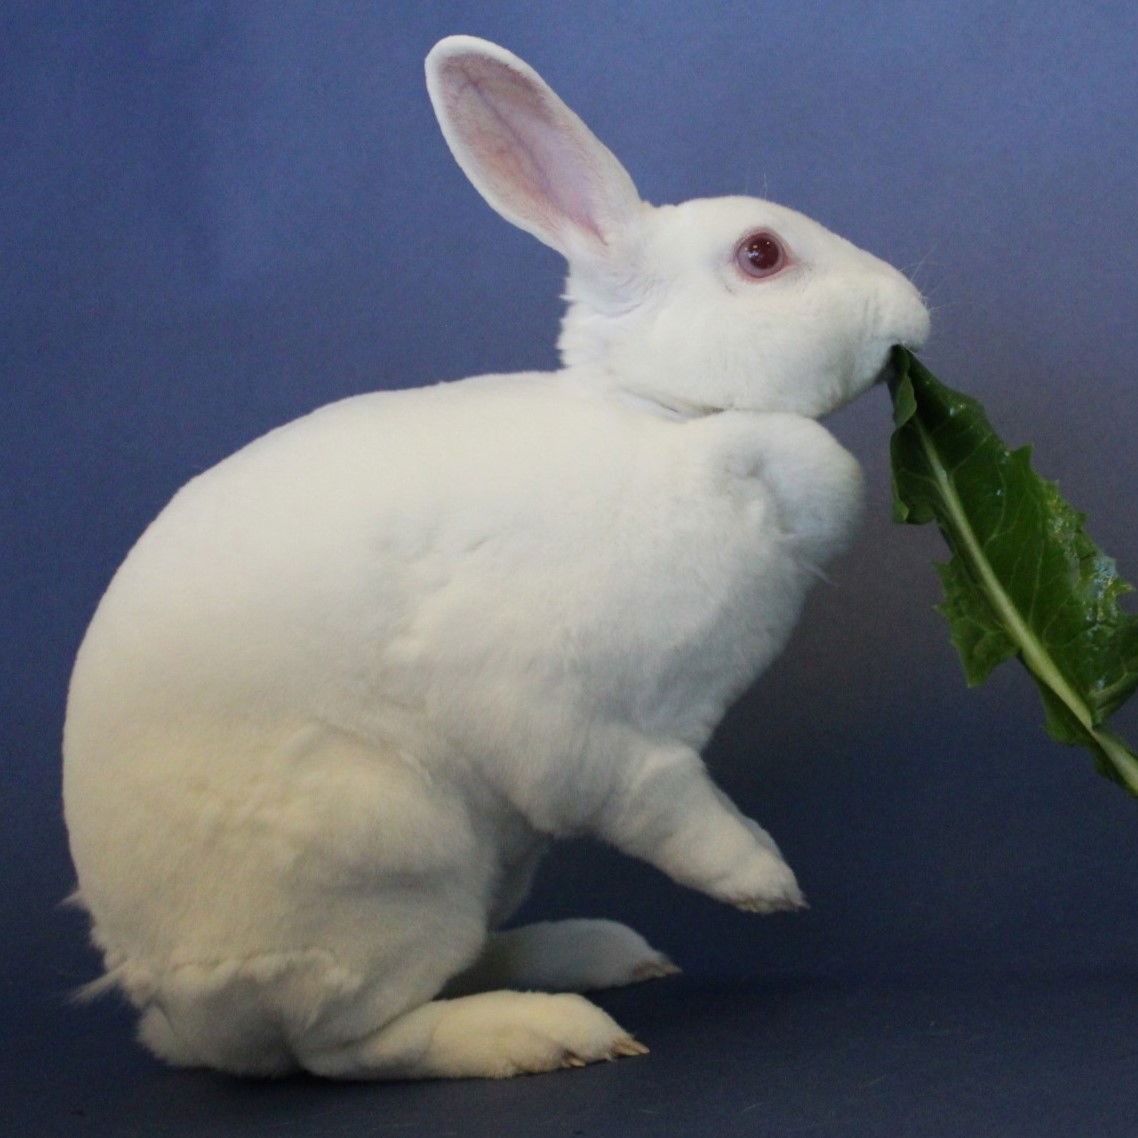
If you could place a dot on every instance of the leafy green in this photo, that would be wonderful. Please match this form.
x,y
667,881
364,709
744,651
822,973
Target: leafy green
x,y
1024,580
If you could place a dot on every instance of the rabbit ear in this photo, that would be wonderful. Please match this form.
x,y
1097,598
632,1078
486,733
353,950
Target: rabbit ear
x,y
525,151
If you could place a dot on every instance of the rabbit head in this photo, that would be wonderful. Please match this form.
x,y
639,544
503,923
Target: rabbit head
x,y
713,304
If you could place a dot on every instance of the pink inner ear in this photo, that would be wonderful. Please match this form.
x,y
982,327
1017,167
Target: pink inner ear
x,y
524,150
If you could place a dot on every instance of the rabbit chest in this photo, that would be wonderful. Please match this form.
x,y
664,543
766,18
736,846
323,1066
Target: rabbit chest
x,y
503,542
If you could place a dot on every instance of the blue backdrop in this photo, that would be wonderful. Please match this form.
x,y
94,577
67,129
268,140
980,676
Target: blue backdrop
x,y
216,216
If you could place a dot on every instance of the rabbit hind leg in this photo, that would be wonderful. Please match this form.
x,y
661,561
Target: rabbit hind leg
x,y
227,1015
488,1035
261,1015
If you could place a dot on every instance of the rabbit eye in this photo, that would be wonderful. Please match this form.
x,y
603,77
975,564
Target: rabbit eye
x,y
760,255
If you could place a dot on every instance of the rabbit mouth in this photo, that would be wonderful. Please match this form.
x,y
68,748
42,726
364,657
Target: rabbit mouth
x,y
888,373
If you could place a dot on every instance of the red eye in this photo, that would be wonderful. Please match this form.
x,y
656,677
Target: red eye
x,y
760,255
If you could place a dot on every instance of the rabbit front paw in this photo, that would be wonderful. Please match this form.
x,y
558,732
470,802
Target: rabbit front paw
x,y
764,884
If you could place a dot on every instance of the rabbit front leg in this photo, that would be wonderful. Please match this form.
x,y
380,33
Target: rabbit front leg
x,y
574,955
667,811
814,484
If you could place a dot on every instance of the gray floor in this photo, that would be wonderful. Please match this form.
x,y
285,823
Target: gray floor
x,y
1037,1058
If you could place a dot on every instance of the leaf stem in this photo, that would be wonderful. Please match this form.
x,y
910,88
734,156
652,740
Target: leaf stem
x,y
1120,755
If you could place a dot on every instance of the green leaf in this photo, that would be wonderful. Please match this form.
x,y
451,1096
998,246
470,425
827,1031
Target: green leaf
x,y
1024,579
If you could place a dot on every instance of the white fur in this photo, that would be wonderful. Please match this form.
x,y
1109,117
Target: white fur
x,y
352,679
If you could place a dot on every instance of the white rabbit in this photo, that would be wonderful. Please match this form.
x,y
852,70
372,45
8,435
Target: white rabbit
x,y
352,679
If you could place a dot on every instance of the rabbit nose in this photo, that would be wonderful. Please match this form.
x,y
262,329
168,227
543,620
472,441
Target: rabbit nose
x,y
916,334
903,315
912,330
